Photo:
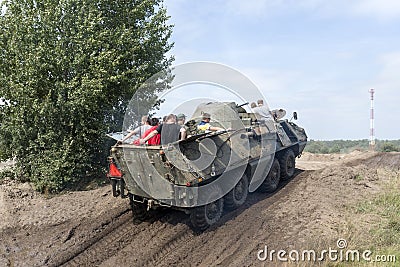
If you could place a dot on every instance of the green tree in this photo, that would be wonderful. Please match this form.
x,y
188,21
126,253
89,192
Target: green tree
x,y
67,70
335,148
389,147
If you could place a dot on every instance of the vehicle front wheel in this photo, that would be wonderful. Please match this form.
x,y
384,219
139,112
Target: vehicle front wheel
x,y
288,164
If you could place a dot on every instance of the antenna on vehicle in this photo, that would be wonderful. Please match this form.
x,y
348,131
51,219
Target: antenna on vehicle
x,y
294,116
372,130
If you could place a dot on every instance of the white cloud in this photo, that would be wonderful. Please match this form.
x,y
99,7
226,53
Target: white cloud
x,y
252,8
382,9
268,7
391,67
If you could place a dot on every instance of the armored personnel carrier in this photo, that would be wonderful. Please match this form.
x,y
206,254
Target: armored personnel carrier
x,y
209,171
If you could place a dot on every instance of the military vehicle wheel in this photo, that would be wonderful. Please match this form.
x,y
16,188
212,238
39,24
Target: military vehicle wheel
x,y
238,195
204,216
139,210
271,182
288,163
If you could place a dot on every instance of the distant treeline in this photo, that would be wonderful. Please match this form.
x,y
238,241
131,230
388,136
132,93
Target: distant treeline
x,y
346,146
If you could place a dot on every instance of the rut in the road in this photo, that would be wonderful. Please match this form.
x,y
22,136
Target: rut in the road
x,y
68,257
124,233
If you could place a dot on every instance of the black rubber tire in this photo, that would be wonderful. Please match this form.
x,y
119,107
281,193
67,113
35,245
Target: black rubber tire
x,y
238,195
139,210
204,216
271,182
288,165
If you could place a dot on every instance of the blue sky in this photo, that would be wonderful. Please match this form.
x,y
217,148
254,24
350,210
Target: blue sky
x,y
316,57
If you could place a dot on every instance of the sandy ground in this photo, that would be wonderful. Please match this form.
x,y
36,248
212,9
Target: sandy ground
x,y
92,228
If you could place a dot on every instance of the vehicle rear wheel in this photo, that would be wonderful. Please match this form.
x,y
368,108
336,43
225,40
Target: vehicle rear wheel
x,y
204,216
271,182
139,210
238,195
288,165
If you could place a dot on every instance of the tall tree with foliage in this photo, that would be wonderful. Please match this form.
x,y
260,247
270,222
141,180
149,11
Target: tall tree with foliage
x,y
67,71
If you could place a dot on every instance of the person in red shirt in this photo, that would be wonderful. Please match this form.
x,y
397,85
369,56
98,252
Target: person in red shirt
x,y
172,132
154,140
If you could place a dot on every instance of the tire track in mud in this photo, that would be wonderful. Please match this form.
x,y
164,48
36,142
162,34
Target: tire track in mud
x,y
102,247
155,242
111,241
171,244
180,237
106,227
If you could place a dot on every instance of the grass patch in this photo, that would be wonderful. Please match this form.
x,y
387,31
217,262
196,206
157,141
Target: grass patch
x,y
388,232
359,178
374,224
384,236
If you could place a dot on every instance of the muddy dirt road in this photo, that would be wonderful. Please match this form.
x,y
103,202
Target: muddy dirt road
x,y
91,228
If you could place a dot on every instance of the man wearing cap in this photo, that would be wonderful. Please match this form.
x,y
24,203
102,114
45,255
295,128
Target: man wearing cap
x,y
181,119
205,125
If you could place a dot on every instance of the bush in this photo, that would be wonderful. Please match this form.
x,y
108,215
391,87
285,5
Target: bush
x,y
390,147
68,70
